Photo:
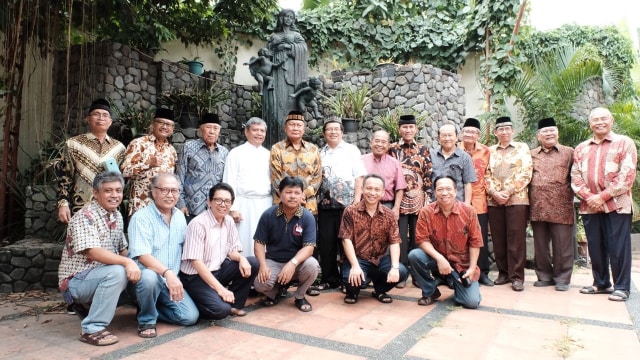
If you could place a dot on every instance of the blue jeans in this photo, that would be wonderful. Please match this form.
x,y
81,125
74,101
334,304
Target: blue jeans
x,y
100,288
377,274
421,265
155,302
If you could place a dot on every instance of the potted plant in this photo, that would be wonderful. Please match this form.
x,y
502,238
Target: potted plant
x,y
130,122
196,66
386,67
351,105
191,102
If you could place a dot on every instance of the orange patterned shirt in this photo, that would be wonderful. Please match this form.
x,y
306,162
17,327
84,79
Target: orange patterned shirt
x,y
509,169
480,157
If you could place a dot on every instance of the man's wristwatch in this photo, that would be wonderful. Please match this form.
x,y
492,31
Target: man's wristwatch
x,y
63,202
397,266
294,261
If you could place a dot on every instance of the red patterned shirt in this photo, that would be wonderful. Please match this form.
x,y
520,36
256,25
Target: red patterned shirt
x,y
607,168
550,194
452,235
480,157
371,235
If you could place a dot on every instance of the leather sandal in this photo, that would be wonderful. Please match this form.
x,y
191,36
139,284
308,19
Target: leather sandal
x,y
382,297
303,305
99,338
351,299
595,290
143,328
238,312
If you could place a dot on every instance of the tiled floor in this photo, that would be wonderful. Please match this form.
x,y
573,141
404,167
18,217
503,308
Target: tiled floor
x,y
539,323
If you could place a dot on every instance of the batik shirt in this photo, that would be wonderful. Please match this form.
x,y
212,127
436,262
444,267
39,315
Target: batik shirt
x,y
550,194
509,169
305,163
136,167
341,166
415,160
480,157
607,168
370,235
83,157
199,169
91,227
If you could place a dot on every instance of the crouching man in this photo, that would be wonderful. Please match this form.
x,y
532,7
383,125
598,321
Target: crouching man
x,y
449,239
94,268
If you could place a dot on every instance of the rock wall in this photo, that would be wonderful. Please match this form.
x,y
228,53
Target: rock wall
x,y
29,265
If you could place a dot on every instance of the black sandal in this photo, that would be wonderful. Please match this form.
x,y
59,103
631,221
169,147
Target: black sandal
x,y
145,327
351,299
382,297
268,302
303,305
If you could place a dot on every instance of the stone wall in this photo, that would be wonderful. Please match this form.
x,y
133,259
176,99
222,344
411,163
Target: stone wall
x,y
29,265
589,98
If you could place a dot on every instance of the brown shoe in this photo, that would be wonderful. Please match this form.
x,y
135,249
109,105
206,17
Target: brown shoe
x,y
517,285
501,280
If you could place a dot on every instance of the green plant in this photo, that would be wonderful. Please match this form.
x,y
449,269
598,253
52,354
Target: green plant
x,y
388,121
131,121
194,99
351,102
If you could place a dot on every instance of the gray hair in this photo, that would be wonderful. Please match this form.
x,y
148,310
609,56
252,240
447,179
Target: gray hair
x,y
255,121
107,177
156,179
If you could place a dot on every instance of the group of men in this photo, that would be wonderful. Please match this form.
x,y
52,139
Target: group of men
x,y
229,221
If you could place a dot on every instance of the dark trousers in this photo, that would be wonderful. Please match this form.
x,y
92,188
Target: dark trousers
x,y
556,264
377,274
483,260
407,227
609,242
209,303
509,236
329,245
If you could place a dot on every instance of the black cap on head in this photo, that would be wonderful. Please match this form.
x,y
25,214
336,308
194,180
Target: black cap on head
x,y
407,119
101,104
209,118
333,119
503,121
294,115
546,122
163,113
472,122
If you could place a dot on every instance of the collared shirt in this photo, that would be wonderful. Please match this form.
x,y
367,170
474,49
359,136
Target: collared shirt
x,y
459,165
136,167
607,168
390,170
415,160
83,157
247,171
371,235
341,166
452,235
480,157
550,194
209,241
509,169
199,169
284,237
149,234
285,160
91,227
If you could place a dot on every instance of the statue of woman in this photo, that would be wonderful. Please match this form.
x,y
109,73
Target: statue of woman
x,y
289,47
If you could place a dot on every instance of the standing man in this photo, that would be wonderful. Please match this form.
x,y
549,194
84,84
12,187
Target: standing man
x,y
200,166
508,176
552,213
604,169
480,156
369,233
449,159
247,171
149,156
156,235
381,163
94,268
285,239
415,160
83,157
296,157
342,172
449,241
211,260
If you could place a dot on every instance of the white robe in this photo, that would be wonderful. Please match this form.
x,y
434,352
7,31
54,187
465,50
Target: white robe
x,y
247,171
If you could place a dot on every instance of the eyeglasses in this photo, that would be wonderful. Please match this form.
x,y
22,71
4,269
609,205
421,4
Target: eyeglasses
x,y
219,201
334,130
164,123
101,115
470,132
166,191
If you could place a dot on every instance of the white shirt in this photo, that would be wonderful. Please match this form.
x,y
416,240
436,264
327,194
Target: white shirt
x,y
247,171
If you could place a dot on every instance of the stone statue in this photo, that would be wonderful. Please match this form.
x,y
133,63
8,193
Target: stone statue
x,y
289,48
305,96
261,68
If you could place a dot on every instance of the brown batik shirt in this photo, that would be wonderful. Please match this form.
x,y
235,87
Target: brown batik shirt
x,y
550,194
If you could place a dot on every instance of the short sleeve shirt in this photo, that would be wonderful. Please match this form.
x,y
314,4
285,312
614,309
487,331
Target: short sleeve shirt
x,y
284,238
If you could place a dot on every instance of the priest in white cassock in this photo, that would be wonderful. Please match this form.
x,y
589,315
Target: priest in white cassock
x,y
247,171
